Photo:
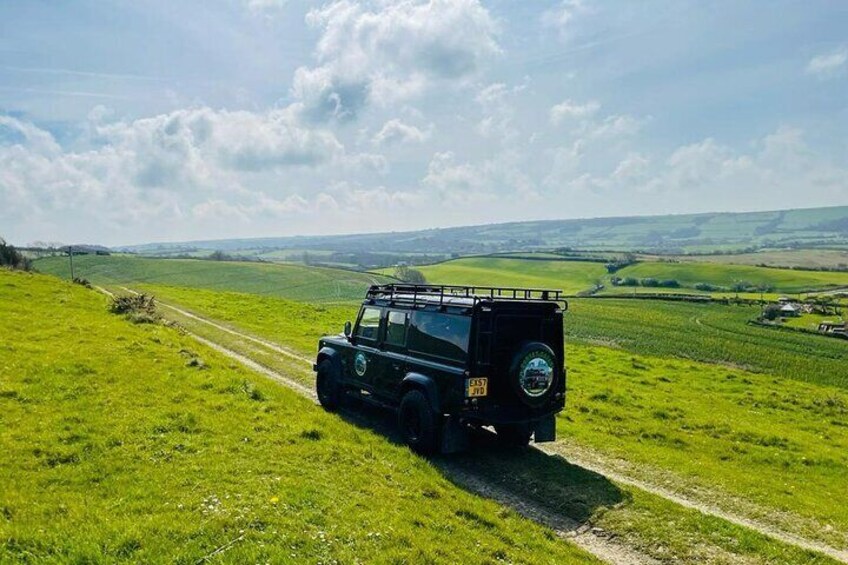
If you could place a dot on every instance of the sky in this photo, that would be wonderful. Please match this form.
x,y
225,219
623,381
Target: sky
x,y
127,122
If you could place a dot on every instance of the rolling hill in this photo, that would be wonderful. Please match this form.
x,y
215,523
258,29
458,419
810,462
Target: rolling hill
x,y
814,227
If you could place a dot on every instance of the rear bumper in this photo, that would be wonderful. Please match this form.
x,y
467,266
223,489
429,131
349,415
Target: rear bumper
x,y
503,415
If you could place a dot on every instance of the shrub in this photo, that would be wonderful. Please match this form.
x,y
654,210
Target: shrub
x,y
410,275
771,312
138,308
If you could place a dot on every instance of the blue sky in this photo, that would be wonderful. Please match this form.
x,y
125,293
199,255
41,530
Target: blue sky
x,y
124,122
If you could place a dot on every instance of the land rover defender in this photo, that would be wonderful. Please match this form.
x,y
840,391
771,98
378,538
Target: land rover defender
x,y
448,358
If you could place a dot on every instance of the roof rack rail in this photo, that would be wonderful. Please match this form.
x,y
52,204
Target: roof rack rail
x,y
415,293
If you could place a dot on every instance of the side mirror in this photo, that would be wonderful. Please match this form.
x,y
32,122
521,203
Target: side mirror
x,y
347,329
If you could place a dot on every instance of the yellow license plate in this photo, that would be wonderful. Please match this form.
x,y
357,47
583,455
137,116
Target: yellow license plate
x,y
476,387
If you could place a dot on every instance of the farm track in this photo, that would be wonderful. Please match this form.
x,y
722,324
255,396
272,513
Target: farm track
x,y
565,527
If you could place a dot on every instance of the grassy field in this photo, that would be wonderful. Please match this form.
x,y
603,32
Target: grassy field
x,y
118,447
769,446
709,333
804,258
690,274
570,276
296,282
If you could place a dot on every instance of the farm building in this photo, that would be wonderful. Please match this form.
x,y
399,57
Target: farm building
x,y
789,311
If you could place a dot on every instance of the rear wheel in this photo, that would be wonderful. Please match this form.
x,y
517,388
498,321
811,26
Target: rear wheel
x,y
513,435
327,386
418,422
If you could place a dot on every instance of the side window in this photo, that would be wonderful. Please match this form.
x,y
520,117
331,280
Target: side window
x,y
369,324
396,327
440,335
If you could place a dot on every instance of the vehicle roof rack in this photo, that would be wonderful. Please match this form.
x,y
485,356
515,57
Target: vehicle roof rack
x,y
428,293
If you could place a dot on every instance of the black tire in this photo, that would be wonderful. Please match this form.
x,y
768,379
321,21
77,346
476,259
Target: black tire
x,y
327,386
418,423
514,435
530,351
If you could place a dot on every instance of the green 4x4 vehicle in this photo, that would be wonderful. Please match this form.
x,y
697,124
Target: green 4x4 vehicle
x,y
448,358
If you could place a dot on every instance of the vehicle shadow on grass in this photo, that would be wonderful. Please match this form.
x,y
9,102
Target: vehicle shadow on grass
x,y
535,484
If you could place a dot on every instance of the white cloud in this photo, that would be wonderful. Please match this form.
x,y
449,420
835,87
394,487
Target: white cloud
x,y
568,109
266,8
396,132
475,183
184,166
828,64
562,15
781,171
384,51
497,102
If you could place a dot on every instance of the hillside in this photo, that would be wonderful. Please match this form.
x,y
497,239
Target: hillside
x,y
119,448
686,232
570,276
295,282
578,276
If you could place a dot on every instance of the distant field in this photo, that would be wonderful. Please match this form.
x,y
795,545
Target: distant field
x,y
804,258
570,276
708,332
116,448
690,274
295,282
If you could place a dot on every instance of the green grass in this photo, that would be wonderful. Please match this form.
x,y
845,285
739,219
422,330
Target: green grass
x,y
115,448
297,282
569,276
774,442
690,274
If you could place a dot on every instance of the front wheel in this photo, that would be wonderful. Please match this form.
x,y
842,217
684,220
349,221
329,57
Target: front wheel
x,y
418,422
514,435
327,386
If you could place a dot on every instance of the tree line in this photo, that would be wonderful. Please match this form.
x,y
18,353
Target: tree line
x,y
12,258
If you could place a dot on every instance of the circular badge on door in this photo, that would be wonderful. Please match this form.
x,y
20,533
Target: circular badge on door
x,y
360,364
